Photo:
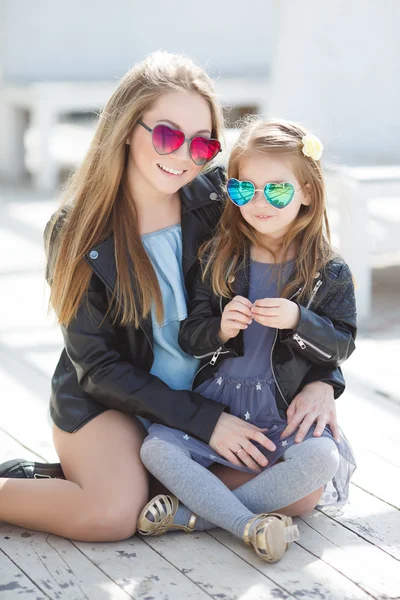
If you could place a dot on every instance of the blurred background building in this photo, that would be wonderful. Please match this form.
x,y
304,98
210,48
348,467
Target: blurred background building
x,y
331,65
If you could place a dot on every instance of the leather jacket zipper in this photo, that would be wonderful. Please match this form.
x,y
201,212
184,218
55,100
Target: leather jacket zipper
x,y
214,354
301,341
304,343
314,293
272,350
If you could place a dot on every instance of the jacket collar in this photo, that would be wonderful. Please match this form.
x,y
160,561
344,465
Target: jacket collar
x,y
201,192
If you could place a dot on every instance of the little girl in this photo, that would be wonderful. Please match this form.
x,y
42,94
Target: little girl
x,y
272,302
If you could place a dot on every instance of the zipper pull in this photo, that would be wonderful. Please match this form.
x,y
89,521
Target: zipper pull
x,y
314,293
215,356
299,340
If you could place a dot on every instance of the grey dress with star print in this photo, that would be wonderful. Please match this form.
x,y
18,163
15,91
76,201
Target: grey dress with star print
x,y
246,384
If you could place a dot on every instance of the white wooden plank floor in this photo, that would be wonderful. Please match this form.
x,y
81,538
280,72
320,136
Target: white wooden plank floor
x,y
347,553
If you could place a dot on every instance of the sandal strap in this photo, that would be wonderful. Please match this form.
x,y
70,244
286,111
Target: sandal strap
x,y
162,508
190,527
247,527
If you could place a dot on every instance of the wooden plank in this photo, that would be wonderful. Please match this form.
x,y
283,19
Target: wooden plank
x,y
371,519
57,567
25,417
14,584
216,569
371,424
11,448
143,572
372,569
299,573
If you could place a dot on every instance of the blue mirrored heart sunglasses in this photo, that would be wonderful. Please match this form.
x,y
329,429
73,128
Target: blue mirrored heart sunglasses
x,y
278,195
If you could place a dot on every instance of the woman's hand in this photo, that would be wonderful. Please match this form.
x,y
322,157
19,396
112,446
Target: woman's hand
x,y
279,313
315,402
232,434
236,316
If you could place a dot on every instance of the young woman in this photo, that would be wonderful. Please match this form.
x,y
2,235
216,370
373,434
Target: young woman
x,y
121,254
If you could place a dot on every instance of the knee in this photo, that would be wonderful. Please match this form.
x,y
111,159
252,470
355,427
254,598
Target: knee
x,y
323,458
111,522
156,453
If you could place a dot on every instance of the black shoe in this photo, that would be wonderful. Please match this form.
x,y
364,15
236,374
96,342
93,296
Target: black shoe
x,y
20,469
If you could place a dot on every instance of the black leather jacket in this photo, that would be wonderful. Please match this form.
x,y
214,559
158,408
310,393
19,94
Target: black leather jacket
x,y
104,367
323,339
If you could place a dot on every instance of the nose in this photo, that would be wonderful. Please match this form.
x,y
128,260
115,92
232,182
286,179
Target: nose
x,y
183,152
259,198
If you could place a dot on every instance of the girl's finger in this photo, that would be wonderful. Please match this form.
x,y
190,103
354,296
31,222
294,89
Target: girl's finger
x,y
239,316
242,300
236,318
239,308
265,312
267,302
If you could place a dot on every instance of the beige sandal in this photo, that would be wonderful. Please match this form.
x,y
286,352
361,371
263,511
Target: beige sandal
x,y
270,537
162,509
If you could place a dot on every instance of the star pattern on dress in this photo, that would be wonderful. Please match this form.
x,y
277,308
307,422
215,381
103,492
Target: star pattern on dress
x,y
239,385
247,416
155,438
212,456
258,387
186,437
284,443
219,380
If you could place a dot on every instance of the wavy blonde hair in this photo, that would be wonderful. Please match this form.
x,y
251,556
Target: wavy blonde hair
x,y
223,255
96,202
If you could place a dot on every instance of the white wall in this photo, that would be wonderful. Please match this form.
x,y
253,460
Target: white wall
x,y
337,69
101,39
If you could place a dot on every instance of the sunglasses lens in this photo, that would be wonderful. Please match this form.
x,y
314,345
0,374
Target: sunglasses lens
x,y
279,195
240,192
167,140
202,150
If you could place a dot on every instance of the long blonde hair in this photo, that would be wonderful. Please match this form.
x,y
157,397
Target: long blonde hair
x,y
96,202
223,255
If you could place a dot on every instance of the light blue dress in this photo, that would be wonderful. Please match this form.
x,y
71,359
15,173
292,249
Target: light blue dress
x,y
171,364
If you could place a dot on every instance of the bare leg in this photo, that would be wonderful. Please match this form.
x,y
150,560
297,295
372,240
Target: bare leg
x,y
106,486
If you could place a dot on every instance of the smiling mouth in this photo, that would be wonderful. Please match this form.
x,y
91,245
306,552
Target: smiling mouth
x,y
169,170
264,216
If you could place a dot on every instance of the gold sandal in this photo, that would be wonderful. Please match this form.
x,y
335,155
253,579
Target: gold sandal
x,y
271,536
162,509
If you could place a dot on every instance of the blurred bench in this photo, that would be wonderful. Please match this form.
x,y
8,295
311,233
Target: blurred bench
x,y
46,102
350,188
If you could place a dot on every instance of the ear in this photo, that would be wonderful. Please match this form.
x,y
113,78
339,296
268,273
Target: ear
x,y
306,190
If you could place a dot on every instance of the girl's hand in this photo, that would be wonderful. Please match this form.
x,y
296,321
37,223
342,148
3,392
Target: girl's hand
x,y
236,316
279,313
232,434
315,402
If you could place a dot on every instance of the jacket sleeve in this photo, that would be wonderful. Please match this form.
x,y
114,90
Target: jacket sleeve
x,y
326,336
331,376
92,345
198,334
